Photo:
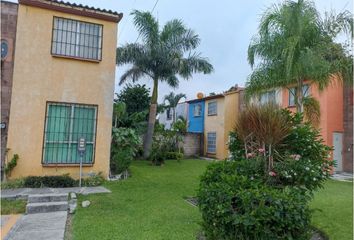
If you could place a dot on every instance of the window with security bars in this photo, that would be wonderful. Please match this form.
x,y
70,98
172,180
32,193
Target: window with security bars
x,y
74,38
211,140
212,108
65,124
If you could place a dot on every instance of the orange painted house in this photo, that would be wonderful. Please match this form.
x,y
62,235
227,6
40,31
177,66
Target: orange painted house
x,y
336,120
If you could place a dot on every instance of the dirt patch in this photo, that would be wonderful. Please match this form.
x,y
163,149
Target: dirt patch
x,y
69,227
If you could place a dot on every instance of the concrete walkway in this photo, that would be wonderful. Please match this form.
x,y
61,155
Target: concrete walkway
x,y
22,193
347,177
40,226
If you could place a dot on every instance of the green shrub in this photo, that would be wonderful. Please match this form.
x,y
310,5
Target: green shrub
x,y
300,159
9,166
264,191
15,183
174,155
165,145
125,143
236,205
93,180
49,181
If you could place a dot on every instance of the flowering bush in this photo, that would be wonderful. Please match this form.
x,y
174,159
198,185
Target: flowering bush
x,y
263,192
237,204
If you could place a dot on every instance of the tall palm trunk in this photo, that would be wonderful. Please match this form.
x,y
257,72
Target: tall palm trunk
x,y
174,115
152,120
299,96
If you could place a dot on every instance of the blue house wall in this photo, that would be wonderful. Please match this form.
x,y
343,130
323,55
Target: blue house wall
x,y
196,123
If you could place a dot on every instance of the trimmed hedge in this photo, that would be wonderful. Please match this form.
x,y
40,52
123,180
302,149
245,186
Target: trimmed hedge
x,y
49,181
235,206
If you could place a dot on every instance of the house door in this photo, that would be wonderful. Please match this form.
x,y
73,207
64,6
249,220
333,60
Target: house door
x,y
337,152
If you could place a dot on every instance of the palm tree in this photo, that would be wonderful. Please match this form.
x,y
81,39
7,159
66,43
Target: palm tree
x,y
173,100
293,45
163,56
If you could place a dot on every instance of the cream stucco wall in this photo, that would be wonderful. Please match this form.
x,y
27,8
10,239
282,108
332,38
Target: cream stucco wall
x,y
223,123
215,123
39,77
232,107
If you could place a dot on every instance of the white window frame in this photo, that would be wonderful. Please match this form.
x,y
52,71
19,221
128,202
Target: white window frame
x,y
197,110
212,108
83,45
211,142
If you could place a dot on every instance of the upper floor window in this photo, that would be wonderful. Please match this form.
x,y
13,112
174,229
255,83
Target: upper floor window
x,y
77,39
212,108
197,110
292,93
267,97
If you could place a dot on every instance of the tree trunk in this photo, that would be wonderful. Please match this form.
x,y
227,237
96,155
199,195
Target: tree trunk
x,y
152,120
174,115
299,96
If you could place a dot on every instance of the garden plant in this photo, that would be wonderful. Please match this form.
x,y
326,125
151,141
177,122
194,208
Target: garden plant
x,y
264,190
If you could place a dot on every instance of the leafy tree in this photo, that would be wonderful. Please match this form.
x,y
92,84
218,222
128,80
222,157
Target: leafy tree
x,y
173,100
136,98
163,56
294,44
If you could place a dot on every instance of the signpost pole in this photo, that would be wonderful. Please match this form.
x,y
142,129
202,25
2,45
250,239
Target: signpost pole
x,y
81,153
81,148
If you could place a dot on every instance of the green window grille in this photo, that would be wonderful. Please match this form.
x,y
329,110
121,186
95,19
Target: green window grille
x,y
65,123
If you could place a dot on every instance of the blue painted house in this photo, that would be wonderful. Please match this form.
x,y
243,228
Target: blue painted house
x,y
196,116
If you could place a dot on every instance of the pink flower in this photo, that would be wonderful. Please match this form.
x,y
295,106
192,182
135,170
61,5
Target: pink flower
x,y
272,174
295,156
250,155
261,150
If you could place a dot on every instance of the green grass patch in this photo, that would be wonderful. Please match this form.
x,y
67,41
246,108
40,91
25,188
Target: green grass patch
x,y
333,207
148,205
151,205
13,206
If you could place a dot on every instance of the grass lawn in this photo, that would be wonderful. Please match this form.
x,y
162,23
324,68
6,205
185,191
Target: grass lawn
x,y
148,205
13,206
334,214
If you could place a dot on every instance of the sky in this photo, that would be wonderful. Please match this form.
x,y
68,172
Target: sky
x,y
225,28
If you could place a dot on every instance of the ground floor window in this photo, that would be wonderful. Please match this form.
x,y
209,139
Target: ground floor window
x,y
65,124
211,138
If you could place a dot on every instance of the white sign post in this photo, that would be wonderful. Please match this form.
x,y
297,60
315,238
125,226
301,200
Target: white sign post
x,y
81,148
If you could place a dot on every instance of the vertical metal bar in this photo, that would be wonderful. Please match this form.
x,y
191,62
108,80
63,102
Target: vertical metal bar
x,y
77,49
45,133
71,129
80,169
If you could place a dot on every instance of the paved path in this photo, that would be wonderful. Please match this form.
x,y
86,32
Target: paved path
x,y
343,176
40,226
24,192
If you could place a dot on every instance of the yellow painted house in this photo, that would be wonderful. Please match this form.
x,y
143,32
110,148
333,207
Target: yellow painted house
x,y
220,116
63,88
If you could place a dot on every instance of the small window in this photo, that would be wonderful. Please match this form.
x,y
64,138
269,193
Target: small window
x,y
197,111
212,108
268,97
65,124
211,147
168,113
292,93
74,38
